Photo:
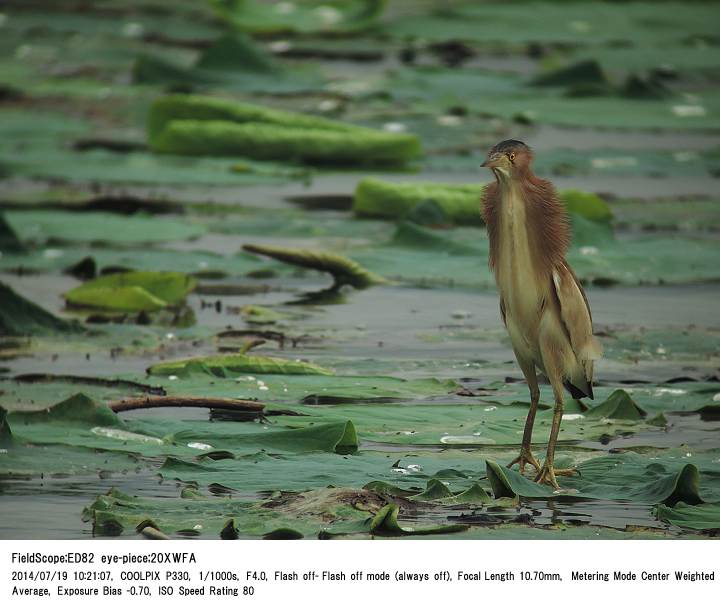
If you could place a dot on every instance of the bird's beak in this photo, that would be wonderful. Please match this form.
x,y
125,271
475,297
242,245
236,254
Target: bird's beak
x,y
492,160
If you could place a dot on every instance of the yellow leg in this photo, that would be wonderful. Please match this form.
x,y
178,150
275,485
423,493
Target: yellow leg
x,y
547,473
526,457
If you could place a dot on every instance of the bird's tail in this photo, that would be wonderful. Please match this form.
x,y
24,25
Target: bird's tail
x,y
579,382
586,391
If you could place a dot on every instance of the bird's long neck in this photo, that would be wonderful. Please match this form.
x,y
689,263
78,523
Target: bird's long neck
x,y
533,222
518,250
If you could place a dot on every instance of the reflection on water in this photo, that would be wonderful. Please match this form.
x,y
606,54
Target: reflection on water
x,y
594,512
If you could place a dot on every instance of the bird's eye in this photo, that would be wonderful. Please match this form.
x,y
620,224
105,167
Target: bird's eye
x,y
512,156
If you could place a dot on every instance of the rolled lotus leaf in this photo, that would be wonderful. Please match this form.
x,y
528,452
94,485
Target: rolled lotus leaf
x,y
264,141
198,125
203,108
459,202
132,291
586,204
377,198
343,270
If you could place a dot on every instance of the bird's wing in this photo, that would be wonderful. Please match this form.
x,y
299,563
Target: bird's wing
x,y
575,314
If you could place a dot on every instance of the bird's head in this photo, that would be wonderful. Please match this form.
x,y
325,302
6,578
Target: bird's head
x,y
509,159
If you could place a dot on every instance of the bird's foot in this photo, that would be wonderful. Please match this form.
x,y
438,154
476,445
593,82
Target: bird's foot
x,y
525,458
547,475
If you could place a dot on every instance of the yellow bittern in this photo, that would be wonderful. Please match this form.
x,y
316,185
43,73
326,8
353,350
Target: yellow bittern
x,y
542,303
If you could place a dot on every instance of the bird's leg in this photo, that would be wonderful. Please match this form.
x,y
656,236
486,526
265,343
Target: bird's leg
x,y
526,457
548,472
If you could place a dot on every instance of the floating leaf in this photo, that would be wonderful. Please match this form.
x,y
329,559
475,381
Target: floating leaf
x,y
435,490
6,438
703,517
78,408
475,495
232,62
9,241
283,17
339,437
640,87
20,317
386,522
652,483
238,53
618,406
583,72
98,227
132,291
231,365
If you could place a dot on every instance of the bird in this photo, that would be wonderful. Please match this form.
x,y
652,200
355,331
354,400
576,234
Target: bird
x,y
542,303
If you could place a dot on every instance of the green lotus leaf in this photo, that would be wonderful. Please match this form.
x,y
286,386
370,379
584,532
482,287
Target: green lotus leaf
x,y
330,16
132,291
628,478
386,522
228,365
586,204
584,72
703,517
619,405
20,317
266,141
460,203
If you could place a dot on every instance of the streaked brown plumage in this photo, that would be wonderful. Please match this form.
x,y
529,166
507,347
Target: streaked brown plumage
x,y
543,305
